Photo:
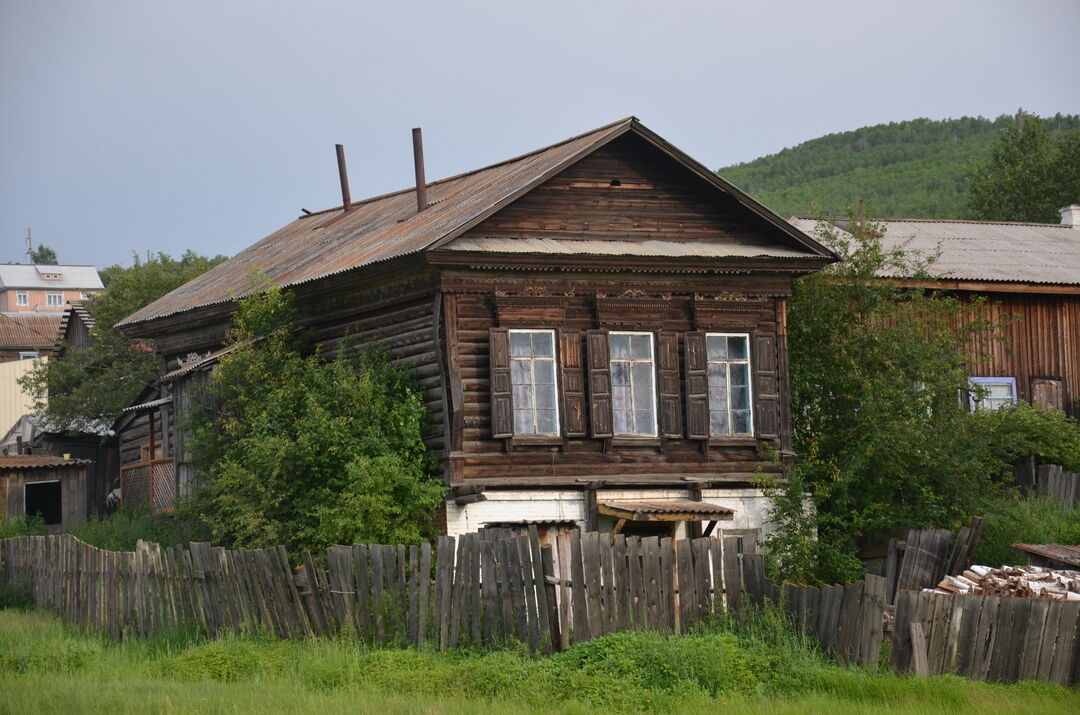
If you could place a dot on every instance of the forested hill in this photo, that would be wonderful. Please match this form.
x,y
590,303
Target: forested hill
x,y
912,169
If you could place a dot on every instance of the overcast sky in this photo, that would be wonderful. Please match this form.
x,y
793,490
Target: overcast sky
x,y
136,125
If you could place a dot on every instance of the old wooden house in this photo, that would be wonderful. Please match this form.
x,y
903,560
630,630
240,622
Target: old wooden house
x,y
1029,274
54,488
599,327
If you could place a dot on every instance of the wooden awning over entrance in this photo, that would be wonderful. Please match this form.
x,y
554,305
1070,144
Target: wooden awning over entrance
x,y
669,511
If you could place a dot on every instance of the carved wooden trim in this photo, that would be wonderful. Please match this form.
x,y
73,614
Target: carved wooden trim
x,y
729,310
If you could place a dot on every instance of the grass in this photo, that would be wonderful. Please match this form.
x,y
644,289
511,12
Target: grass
x,y
46,666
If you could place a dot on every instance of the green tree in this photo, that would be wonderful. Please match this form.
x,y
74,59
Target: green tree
x,y
43,256
82,388
1025,175
306,452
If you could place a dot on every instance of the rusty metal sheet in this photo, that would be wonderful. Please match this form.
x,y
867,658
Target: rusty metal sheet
x,y
29,330
679,506
38,461
983,250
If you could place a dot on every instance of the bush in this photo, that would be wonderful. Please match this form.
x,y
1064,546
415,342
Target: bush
x,y
22,526
120,530
1029,520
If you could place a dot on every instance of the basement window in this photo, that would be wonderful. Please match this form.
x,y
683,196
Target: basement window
x,y
43,498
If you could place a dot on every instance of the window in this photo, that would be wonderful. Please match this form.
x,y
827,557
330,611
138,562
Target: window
x,y
532,376
27,354
1001,391
633,384
22,298
54,299
728,360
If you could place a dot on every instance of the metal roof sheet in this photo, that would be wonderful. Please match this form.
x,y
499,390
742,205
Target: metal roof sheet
x,y
19,275
984,250
38,461
1057,552
378,229
147,406
676,506
29,330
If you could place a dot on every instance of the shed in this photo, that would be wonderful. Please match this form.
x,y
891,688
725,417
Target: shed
x,y
1055,556
54,487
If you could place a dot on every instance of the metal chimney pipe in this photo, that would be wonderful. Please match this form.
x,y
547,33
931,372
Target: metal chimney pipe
x,y
346,201
418,163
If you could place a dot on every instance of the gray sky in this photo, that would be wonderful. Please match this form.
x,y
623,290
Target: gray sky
x,y
128,125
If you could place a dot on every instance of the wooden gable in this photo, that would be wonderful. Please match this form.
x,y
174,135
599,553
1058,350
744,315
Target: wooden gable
x,y
630,190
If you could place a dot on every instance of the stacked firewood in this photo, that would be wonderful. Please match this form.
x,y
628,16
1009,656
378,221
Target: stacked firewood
x,y
1018,581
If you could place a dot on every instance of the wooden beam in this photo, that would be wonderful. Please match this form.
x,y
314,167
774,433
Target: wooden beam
x,y
709,528
619,526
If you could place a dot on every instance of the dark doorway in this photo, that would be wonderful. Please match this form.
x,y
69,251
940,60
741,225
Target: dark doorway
x,y
44,498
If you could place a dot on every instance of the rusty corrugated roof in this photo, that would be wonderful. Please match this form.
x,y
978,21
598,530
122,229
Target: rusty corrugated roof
x,y
28,330
984,250
385,227
38,461
676,506
1058,552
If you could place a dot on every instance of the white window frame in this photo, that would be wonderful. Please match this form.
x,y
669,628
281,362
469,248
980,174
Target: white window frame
x,y
630,371
28,354
22,297
50,297
749,384
974,403
533,359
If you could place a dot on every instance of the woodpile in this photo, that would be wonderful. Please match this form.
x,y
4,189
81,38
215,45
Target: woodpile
x,y
1018,581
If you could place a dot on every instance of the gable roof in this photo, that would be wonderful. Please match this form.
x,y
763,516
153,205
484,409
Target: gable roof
x,y
20,275
329,242
990,251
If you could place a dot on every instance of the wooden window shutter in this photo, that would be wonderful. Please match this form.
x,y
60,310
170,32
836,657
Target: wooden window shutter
x,y
671,421
502,406
572,383
697,386
766,386
599,384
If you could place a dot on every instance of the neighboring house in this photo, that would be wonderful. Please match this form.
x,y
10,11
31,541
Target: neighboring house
x,y
23,337
1027,270
54,488
32,288
599,328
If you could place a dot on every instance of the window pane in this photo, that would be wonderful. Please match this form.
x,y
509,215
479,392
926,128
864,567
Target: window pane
x,y
545,397
520,344
520,372
717,374
739,374
546,422
1000,390
716,347
736,348
643,398
620,398
620,346
543,344
545,372
717,398
620,373
740,398
523,396
643,373
644,422
718,422
622,422
740,421
523,422
641,347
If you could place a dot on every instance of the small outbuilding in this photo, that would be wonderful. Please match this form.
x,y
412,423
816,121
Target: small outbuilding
x,y
53,487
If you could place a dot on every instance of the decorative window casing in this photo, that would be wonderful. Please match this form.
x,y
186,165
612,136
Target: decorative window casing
x,y
533,380
633,384
729,379
1001,392
54,299
22,298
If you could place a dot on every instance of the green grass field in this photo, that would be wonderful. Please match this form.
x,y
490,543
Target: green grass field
x,y
46,666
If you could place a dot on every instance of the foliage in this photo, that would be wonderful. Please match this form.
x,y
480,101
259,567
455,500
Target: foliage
x,y
913,168
1028,520
120,530
1016,433
84,388
22,526
761,667
1025,174
43,256
307,452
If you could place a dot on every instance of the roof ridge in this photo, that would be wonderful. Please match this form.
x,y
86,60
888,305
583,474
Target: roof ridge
x,y
322,212
933,220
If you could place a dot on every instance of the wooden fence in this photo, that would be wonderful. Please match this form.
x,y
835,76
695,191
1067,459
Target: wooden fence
x,y
997,638
923,558
1054,482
